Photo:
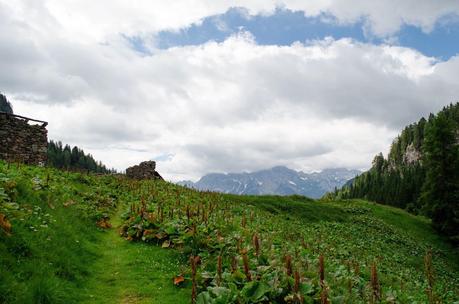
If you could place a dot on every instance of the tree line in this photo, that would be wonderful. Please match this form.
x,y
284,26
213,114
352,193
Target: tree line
x,y
65,157
420,173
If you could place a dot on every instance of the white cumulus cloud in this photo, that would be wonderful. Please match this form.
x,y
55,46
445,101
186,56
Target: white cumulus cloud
x,y
88,20
228,106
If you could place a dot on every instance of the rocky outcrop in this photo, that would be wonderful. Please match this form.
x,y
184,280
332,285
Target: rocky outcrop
x,y
412,155
21,141
145,170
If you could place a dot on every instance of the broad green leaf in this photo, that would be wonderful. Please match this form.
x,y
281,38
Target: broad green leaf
x,y
204,298
255,291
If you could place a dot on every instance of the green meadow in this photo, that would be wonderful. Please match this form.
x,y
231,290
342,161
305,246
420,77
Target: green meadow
x,y
81,238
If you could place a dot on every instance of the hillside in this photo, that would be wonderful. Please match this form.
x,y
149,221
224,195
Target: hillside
x,y
397,180
420,173
56,245
275,181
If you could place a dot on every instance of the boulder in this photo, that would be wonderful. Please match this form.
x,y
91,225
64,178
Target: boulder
x,y
144,170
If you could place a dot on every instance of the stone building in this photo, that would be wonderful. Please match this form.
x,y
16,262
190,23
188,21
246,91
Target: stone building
x,y
23,139
145,170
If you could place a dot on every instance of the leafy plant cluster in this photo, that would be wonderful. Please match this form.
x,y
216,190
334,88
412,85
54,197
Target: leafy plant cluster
x,y
249,250
420,174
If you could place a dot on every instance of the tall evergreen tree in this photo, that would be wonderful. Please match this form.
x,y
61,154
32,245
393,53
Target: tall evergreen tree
x,y
65,157
5,105
440,192
420,174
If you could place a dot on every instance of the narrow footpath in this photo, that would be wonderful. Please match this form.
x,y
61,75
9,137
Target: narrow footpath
x,y
128,272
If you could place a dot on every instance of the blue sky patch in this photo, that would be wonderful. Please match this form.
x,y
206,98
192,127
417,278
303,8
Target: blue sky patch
x,y
442,42
285,27
281,28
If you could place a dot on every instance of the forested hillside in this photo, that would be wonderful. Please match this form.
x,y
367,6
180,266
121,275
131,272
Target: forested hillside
x,y
65,157
420,173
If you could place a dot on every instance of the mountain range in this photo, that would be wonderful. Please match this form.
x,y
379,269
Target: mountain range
x,y
279,180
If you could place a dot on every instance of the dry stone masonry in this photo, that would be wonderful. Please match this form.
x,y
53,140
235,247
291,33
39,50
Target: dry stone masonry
x,y
21,141
145,170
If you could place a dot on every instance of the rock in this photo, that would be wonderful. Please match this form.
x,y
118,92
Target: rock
x,y
412,155
145,170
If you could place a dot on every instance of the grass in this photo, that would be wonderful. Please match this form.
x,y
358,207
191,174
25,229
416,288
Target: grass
x,y
359,241
46,258
370,231
128,272
57,254
296,206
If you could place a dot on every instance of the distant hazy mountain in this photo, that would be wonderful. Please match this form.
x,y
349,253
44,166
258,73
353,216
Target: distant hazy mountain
x,y
278,180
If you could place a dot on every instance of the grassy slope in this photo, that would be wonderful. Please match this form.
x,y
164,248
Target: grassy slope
x,y
133,272
368,231
352,235
417,228
56,254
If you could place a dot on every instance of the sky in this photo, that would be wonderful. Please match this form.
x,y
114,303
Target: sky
x,y
229,86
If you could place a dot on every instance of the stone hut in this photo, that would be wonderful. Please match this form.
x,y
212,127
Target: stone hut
x,y
23,139
145,170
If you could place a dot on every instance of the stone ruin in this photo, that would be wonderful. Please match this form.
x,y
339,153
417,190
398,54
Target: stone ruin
x,y
145,170
21,141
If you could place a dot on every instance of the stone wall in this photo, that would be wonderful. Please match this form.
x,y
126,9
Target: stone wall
x,y
22,139
145,170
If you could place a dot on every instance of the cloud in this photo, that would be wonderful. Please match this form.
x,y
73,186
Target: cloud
x,y
228,106
381,17
87,20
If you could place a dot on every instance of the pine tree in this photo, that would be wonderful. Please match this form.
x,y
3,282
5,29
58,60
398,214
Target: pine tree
x,y
5,105
73,159
428,185
440,192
